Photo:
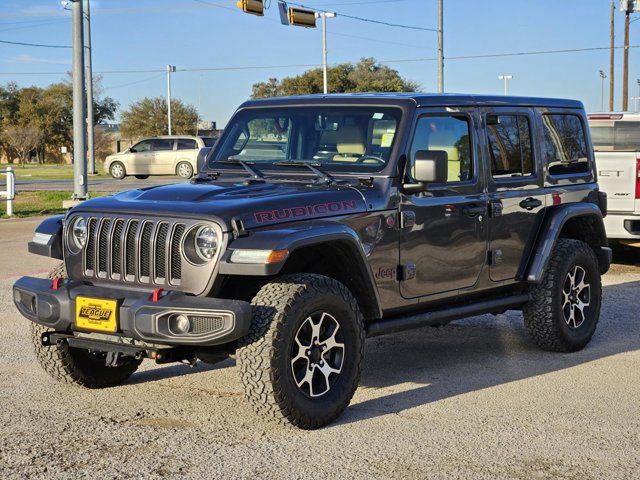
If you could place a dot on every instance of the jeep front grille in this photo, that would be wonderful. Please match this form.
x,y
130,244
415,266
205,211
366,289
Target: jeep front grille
x,y
146,251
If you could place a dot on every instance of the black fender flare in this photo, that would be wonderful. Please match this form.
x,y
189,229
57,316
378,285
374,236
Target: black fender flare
x,y
47,239
555,219
295,236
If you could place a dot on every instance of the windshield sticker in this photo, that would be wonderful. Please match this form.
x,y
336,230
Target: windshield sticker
x,y
304,211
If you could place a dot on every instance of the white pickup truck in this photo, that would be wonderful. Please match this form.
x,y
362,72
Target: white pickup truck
x,y
616,141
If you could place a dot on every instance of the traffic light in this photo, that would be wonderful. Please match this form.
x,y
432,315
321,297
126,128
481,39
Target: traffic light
x,y
300,17
254,7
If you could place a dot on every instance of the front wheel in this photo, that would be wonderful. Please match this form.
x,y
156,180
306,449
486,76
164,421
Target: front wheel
x,y
564,308
117,170
300,362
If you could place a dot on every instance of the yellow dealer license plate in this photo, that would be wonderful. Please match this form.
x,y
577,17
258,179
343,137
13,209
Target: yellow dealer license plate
x,y
96,314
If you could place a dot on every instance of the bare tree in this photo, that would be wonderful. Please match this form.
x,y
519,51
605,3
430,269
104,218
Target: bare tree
x,y
23,139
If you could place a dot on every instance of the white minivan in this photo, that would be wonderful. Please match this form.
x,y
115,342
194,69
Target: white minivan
x,y
616,141
167,155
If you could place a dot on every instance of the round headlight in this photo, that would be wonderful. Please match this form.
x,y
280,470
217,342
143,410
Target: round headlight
x,y
206,243
79,233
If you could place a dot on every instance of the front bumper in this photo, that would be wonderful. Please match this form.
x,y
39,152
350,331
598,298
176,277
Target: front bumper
x,y
218,321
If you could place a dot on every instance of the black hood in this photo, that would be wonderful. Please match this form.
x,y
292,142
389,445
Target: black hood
x,y
258,204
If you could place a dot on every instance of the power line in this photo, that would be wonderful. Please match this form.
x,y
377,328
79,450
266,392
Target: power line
x,y
309,65
34,44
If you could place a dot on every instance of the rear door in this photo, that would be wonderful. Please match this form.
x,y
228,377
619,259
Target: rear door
x,y
616,143
515,187
443,236
164,156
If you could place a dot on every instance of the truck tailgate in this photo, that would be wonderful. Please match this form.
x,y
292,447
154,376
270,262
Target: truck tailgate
x,y
617,177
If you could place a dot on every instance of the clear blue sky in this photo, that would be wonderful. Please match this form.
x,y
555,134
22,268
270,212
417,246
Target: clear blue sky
x,y
148,34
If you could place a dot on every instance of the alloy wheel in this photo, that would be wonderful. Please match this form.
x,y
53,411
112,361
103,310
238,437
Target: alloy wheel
x,y
576,297
318,354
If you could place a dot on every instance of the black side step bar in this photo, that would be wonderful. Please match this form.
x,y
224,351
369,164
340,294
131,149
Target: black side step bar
x,y
160,355
442,316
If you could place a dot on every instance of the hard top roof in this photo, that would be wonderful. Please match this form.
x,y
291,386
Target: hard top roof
x,y
415,99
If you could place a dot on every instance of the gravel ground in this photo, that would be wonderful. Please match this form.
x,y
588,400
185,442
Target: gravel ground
x,y
475,399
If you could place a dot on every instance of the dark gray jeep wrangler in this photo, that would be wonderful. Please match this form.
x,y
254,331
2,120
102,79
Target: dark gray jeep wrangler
x,y
317,221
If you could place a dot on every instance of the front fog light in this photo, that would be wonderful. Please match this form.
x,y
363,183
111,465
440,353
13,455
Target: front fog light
x,y
179,324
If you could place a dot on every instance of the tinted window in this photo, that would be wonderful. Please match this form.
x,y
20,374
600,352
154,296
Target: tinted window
x,y
509,145
622,136
450,135
162,144
144,146
565,146
186,144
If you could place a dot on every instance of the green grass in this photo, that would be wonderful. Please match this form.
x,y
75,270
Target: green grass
x,y
44,172
30,204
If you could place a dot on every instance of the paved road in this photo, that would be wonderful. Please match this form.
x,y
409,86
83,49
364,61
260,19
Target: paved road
x,y
96,184
474,399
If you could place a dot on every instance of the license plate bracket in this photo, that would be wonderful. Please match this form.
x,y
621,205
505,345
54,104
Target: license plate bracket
x,y
97,314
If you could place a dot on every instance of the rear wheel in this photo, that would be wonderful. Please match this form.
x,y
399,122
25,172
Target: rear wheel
x,y
564,308
79,366
117,170
301,361
184,170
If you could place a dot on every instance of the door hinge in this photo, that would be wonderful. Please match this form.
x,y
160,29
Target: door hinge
x,y
406,272
495,209
407,219
494,257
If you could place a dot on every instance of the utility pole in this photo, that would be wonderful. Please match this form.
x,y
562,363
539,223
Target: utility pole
x,y
612,56
324,16
170,70
91,150
79,111
440,47
625,64
602,76
506,79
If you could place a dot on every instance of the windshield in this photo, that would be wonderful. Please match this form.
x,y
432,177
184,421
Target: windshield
x,y
349,139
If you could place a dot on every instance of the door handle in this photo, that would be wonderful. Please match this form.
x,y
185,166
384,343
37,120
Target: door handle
x,y
530,203
474,209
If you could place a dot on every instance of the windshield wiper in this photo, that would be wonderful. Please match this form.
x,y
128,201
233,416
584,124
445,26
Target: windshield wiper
x,y
322,176
252,171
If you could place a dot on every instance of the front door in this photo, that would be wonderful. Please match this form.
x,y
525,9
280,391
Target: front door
x,y
140,157
443,240
516,193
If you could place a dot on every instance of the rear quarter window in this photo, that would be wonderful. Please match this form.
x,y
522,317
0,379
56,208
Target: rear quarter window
x,y
564,146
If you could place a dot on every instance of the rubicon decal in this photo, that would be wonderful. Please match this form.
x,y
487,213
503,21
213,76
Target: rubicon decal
x,y
305,211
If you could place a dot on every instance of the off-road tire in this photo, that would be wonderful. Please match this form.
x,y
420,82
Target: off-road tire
x,y
543,316
184,170
279,308
74,365
114,175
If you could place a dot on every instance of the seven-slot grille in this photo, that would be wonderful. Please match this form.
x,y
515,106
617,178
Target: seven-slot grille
x,y
134,250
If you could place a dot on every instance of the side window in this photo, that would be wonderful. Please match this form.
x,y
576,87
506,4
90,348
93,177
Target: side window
x,y
449,134
144,146
162,144
564,148
186,144
510,146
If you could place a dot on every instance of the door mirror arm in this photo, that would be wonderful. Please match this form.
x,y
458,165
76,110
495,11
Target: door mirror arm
x,y
412,188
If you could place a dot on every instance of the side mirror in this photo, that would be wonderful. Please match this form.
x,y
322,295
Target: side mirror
x,y
201,160
429,166
131,150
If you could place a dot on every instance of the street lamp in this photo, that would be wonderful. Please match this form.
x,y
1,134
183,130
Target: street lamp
x,y
506,79
602,77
